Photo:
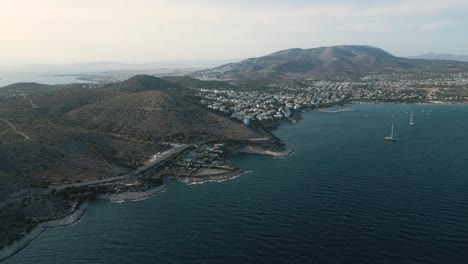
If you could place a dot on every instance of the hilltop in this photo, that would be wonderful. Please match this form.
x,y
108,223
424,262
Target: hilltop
x,y
336,62
155,115
143,82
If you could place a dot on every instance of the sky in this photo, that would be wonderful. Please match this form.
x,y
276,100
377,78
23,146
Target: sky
x,y
136,31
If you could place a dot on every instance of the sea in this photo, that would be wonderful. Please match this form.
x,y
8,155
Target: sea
x,y
7,78
345,196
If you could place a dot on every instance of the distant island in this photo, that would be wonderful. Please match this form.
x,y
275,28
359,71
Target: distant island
x,y
64,146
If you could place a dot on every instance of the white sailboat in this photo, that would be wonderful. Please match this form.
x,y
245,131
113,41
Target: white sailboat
x,y
411,120
390,138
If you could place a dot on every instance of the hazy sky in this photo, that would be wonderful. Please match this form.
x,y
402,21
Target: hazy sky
x,y
69,31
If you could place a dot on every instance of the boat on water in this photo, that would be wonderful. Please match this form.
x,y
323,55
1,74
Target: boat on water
x,y
411,123
390,138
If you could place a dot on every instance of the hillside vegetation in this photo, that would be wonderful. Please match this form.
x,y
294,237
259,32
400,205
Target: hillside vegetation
x,y
77,134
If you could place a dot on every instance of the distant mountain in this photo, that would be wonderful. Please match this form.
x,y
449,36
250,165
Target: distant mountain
x,y
336,62
436,56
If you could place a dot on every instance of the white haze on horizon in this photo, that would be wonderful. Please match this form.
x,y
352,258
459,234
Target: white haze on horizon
x,y
138,31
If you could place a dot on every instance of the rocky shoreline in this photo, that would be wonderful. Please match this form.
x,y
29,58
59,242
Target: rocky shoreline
x,y
132,196
67,220
214,178
273,147
73,218
77,214
276,154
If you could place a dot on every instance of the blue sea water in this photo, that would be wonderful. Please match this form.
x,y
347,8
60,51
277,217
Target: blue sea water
x,y
345,196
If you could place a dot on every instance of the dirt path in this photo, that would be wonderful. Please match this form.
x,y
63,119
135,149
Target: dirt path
x,y
14,129
6,131
29,100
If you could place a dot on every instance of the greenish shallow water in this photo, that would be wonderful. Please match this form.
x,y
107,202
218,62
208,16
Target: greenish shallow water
x,y
345,196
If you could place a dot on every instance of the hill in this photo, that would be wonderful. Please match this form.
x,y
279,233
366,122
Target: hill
x,y
336,62
436,56
140,83
155,115
81,134
136,83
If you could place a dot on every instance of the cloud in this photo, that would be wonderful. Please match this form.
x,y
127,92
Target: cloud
x,y
141,30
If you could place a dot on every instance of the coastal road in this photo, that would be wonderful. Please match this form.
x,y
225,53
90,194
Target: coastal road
x,y
154,161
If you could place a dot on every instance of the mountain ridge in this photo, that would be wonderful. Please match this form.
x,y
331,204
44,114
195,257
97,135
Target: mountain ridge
x,y
342,61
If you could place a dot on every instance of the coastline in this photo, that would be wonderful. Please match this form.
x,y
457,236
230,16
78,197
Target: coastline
x,y
132,196
275,154
75,216
68,220
214,178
